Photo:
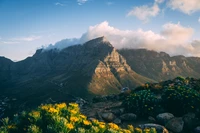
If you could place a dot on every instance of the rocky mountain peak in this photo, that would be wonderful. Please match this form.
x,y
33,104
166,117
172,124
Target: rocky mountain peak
x,y
98,42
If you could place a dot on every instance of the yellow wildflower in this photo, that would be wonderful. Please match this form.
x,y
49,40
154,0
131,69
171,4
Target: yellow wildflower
x,y
102,125
53,110
146,130
126,131
83,116
95,121
138,130
73,105
69,126
36,114
61,105
86,122
130,127
44,107
73,111
113,126
73,119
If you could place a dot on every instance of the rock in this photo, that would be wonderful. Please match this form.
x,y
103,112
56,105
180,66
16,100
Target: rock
x,y
159,128
197,129
81,102
175,125
122,110
97,99
164,118
190,121
128,117
118,111
117,121
108,116
151,119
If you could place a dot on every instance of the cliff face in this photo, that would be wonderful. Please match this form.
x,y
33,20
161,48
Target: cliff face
x,y
160,66
114,72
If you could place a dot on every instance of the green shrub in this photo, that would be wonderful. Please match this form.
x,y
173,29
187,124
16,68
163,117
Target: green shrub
x,y
181,100
142,103
60,118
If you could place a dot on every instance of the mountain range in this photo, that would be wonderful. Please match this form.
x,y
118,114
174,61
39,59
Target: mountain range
x,y
85,70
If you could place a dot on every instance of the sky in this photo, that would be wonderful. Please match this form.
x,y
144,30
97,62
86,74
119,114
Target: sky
x,y
172,26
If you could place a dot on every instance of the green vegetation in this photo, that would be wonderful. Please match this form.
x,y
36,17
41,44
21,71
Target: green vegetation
x,y
61,118
179,96
181,100
142,103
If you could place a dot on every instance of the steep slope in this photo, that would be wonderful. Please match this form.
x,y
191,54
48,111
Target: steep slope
x,y
5,66
94,68
114,72
160,66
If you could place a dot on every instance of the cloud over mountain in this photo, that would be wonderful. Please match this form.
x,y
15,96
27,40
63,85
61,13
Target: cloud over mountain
x,y
174,39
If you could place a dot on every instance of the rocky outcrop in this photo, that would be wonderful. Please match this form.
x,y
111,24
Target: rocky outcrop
x,y
161,66
164,118
175,125
128,117
197,129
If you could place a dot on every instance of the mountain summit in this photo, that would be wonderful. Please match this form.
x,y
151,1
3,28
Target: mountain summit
x,y
94,68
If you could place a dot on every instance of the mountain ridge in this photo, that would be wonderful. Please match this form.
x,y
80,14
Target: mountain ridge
x,y
89,69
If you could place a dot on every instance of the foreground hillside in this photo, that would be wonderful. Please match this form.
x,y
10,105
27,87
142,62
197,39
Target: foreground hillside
x,y
168,106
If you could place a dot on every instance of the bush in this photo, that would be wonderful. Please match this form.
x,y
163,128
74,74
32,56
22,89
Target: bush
x,y
142,103
60,118
181,100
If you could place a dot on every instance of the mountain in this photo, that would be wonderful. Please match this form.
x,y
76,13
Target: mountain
x,y
94,68
161,66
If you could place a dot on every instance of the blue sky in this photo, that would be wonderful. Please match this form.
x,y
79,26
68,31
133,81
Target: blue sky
x,y
26,25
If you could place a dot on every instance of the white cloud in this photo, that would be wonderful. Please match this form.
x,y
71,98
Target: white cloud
x,y
59,4
185,6
174,39
145,12
199,20
81,2
159,1
28,39
177,33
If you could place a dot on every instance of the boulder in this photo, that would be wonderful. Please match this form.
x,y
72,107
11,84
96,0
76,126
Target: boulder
x,y
128,117
117,121
118,111
175,125
108,116
163,118
190,121
197,129
151,119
